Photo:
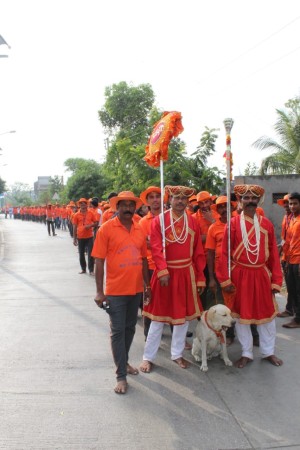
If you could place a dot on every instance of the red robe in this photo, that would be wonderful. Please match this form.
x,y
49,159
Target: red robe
x,y
253,301
179,301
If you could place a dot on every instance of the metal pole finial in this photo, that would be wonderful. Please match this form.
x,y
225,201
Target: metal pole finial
x,y
228,123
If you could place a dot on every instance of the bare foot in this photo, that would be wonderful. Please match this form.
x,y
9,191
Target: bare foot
x,y
132,370
146,366
242,362
121,387
183,363
274,360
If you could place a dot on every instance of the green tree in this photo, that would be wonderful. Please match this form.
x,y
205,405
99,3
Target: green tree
x,y
200,175
2,186
19,194
128,117
126,107
251,169
87,179
286,152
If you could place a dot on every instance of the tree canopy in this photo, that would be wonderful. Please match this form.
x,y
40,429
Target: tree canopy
x,y
127,117
2,186
286,152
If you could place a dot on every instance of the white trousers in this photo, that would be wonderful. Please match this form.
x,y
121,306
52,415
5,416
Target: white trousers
x,y
154,338
267,336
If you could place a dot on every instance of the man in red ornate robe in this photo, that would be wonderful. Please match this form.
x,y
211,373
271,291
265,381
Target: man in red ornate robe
x,y
255,275
178,277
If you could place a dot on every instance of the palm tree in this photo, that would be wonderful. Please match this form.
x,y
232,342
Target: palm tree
x,y
286,156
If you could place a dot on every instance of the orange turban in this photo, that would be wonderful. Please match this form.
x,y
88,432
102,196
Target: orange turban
x,y
175,191
241,189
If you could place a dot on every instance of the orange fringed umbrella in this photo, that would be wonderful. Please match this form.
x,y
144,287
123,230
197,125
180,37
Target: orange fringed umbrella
x,y
164,130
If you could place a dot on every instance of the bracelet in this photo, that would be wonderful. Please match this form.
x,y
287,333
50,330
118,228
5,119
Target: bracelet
x,y
147,287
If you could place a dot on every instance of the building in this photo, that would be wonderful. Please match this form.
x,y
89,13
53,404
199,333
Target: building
x,y
41,185
276,186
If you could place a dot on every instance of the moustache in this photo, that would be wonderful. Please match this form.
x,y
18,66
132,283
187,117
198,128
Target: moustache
x,y
251,204
128,212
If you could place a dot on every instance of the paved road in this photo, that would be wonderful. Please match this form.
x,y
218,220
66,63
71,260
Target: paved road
x,y
57,374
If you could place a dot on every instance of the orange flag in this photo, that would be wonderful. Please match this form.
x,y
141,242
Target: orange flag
x,y
164,130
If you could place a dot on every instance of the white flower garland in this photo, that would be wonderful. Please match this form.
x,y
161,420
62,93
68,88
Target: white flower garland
x,y
251,249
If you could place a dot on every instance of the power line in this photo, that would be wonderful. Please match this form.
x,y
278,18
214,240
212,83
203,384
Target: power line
x,y
251,49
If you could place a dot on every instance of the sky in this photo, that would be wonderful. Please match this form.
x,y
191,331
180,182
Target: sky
x,y
207,59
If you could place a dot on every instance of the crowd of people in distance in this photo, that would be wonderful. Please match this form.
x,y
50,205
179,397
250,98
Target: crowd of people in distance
x,y
170,257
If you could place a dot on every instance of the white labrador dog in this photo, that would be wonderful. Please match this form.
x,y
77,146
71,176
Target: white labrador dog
x,y
210,337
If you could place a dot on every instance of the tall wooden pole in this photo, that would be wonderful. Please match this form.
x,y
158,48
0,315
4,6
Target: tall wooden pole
x,y
228,123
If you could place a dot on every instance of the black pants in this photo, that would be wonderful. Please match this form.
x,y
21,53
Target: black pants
x,y
123,312
82,245
293,286
50,223
289,307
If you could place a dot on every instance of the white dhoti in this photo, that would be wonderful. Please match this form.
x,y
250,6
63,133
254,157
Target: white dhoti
x,y
154,338
267,336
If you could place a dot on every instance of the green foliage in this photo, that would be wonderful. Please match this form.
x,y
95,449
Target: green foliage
x,y
2,186
128,117
251,169
19,194
56,184
87,179
286,153
126,107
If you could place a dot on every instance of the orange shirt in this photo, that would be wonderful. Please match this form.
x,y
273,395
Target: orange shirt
x,y
214,238
145,224
203,223
107,215
63,212
285,224
294,241
123,251
81,220
50,214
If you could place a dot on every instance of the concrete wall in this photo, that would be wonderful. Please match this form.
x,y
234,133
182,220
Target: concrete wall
x,y
273,185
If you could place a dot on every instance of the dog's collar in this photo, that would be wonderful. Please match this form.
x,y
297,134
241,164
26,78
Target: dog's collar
x,y
219,334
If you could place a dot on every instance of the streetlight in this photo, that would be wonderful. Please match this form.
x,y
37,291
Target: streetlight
x,y
3,41
7,132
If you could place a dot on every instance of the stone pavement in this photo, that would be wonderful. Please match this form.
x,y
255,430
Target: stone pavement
x,y
57,374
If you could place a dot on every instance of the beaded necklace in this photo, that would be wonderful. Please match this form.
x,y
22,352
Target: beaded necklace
x,y
180,239
251,249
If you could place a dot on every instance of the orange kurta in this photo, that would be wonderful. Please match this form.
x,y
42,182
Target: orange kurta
x,y
123,251
254,301
179,301
293,256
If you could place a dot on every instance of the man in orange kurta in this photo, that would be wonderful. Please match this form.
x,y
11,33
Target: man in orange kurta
x,y
178,277
122,245
255,275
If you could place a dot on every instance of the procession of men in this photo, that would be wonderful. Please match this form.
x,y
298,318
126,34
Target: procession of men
x,y
172,255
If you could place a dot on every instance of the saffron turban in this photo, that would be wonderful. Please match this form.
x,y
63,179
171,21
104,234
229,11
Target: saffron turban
x,y
175,191
241,189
